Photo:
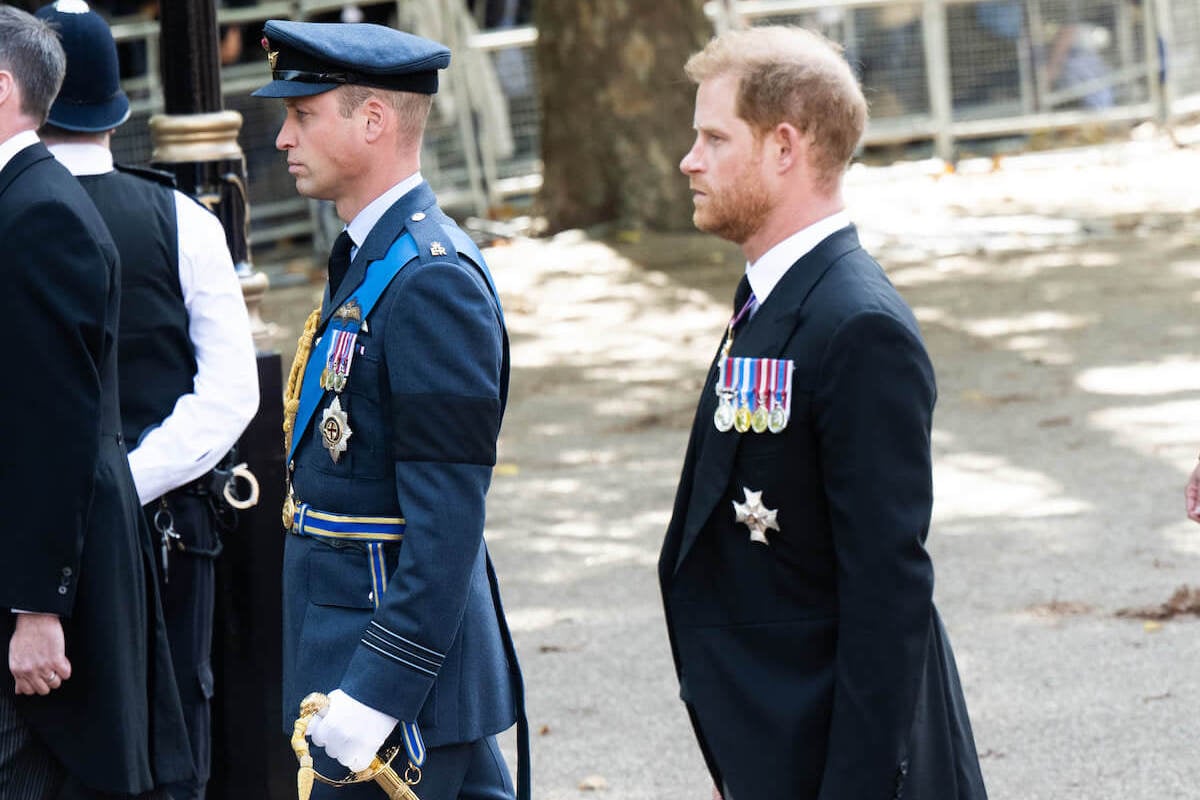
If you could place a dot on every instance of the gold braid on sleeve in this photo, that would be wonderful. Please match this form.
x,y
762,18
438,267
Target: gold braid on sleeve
x,y
291,396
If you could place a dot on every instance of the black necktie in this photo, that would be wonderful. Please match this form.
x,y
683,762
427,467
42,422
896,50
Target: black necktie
x,y
339,261
742,293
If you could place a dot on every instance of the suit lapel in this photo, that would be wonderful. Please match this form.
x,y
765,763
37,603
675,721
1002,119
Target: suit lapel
x,y
765,336
24,158
379,240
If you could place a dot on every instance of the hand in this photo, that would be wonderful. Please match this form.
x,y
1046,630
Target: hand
x,y
37,654
716,794
350,731
1191,495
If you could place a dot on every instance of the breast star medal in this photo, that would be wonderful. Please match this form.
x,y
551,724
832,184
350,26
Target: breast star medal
x,y
755,516
335,429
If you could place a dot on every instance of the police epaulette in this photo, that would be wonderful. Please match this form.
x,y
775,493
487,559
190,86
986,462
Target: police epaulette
x,y
150,174
433,241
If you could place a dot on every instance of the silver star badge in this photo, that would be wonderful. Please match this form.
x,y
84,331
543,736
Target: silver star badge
x,y
335,429
755,516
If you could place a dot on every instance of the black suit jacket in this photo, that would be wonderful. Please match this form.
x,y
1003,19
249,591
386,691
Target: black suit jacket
x,y
71,539
816,666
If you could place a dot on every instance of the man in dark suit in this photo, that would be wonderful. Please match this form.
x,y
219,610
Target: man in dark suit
x,y
797,587
93,710
189,384
390,600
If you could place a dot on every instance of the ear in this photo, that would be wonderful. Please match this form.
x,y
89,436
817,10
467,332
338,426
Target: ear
x,y
376,117
8,85
787,147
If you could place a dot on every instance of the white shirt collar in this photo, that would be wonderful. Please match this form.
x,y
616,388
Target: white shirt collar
x,y
84,159
15,144
362,224
772,265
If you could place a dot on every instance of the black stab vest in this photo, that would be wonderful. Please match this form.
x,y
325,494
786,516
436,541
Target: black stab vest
x,y
156,361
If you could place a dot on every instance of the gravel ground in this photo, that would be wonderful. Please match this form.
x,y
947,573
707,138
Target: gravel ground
x,y
1057,293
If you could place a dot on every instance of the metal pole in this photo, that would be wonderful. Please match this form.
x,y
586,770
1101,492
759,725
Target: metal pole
x,y
937,70
197,141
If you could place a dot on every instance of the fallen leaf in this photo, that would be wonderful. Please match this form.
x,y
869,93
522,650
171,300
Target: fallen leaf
x,y
593,783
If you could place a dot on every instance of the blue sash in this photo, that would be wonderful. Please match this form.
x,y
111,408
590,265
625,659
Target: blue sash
x,y
379,275
465,245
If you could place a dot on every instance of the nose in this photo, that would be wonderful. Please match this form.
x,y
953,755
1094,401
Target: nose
x,y
284,139
690,163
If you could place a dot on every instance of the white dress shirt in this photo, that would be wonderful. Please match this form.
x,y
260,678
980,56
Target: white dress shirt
x,y
772,265
362,224
206,422
15,144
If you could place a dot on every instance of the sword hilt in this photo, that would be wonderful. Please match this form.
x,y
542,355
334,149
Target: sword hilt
x,y
396,786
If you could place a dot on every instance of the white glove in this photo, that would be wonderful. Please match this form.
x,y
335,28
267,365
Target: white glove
x,y
350,731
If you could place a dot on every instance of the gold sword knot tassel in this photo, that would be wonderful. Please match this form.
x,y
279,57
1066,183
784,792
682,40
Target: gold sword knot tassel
x,y
380,770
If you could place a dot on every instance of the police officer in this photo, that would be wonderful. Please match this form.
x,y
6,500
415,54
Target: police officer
x,y
188,377
390,602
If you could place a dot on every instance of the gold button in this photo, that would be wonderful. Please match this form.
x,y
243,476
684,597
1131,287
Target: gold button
x,y
417,217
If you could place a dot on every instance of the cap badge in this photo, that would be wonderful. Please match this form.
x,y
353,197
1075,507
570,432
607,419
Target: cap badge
x,y
272,55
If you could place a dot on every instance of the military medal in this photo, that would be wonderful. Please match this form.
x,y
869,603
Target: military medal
x,y
758,420
755,516
781,396
335,429
723,416
343,332
745,389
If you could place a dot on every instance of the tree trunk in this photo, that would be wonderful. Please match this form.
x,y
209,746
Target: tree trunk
x,y
617,110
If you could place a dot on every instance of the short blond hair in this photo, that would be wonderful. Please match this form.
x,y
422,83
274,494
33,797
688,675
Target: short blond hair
x,y
412,108
792,75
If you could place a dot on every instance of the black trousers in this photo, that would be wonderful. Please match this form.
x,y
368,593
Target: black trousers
x,y
186,587
29,771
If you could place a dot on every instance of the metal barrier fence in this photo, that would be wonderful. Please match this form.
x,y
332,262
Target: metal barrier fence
x,y
481,144
933,70
964,69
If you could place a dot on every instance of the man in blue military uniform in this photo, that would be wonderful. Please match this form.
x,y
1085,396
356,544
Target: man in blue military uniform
x,y
390,600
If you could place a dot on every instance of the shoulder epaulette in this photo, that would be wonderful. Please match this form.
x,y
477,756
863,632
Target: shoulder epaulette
x,y
433,243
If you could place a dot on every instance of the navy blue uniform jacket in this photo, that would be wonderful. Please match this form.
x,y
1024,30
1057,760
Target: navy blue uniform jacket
x,y
424,399
816,668
73,538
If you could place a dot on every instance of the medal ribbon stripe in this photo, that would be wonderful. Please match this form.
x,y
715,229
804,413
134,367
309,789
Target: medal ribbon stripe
x,y
746,387
760,394
787,390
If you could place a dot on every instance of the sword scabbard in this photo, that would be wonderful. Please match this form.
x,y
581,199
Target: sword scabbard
x,y
390,781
